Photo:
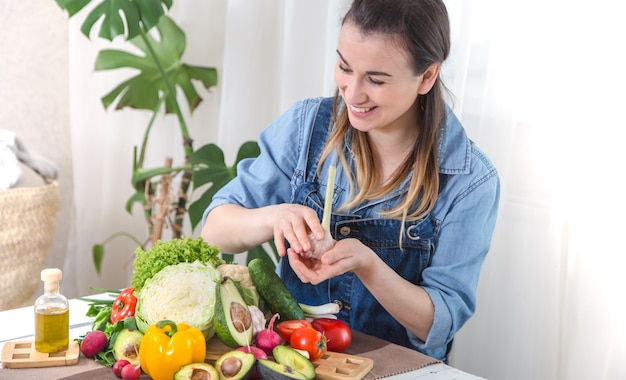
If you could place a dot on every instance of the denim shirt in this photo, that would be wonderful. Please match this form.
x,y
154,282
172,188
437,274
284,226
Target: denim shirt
x,y
442,253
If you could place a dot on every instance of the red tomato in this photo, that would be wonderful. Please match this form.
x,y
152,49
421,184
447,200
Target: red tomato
x,y
310,340
285,328
336,331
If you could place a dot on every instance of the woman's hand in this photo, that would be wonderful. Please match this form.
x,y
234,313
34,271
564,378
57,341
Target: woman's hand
x,y
348,255
293,223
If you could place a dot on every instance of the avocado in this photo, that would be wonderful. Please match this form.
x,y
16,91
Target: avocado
x,y
233,321
126,345
269,370
197,371
235,365
289,357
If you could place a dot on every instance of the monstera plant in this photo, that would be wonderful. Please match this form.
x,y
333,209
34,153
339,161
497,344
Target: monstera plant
x,y
160,75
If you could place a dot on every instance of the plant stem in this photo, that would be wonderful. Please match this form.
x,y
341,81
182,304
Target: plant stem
x,y
187,142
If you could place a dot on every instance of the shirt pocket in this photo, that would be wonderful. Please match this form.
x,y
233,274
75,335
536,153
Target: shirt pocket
x,y
407,258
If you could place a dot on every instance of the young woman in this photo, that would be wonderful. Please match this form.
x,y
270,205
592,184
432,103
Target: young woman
x,y
414,200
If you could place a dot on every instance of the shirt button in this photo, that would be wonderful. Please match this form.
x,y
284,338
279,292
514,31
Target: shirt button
x,y
342,305
345,230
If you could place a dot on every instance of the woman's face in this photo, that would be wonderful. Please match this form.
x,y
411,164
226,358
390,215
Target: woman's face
x,y
376,80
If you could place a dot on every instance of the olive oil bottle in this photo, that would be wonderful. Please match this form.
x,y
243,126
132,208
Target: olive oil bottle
x,y
52,315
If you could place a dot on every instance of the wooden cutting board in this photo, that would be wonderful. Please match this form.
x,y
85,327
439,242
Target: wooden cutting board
x,y
332,366
23,354
335,365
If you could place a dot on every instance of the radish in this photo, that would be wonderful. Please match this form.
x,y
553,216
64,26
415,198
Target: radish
x,y
93,343
258,354
118,366
268,339
319,247
131,372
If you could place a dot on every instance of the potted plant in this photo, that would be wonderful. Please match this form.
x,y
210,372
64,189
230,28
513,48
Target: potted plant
x,y
161,73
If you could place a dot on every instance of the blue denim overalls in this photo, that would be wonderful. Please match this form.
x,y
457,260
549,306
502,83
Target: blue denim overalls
x,y
360,309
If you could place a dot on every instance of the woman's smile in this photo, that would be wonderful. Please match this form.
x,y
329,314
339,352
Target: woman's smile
x,y
361,111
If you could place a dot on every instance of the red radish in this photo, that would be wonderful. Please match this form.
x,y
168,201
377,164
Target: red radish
x,y
268,339
258,354
130,372
118,366
93,343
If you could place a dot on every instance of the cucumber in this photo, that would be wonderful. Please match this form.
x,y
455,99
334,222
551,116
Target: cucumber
x,y
274,291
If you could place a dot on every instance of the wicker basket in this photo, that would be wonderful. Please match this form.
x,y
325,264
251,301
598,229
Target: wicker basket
x,y
27,227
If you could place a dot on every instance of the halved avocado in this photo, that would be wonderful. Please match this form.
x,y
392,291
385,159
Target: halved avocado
x,y
126,345
289,357
233,321
235,365
269,370
197,371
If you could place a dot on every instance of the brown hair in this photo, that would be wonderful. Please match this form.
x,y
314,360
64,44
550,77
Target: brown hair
x,y
421,27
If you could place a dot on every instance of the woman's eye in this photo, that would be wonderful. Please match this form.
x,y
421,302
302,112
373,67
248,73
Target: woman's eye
x,y
344,69
375,81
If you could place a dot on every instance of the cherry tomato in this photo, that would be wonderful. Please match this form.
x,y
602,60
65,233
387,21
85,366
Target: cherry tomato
x,y
310,340
285,328
336,331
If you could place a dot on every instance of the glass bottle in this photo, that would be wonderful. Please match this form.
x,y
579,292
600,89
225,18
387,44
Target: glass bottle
x,y
51,315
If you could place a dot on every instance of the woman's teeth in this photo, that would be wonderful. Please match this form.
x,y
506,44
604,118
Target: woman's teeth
x,y
361,110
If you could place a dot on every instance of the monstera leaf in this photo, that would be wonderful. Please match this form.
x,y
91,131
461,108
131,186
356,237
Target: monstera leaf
x,y
119,17
210,168
144,90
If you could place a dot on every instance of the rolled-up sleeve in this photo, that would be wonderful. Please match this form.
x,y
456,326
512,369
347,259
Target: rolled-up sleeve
x,y
466,226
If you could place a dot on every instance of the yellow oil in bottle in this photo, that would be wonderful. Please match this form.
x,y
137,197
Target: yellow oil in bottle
x,y
51,330
52,315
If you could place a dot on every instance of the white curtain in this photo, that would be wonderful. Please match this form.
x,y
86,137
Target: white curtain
x,y
539,86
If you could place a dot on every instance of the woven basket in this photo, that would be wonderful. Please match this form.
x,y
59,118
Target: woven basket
x,y
27,227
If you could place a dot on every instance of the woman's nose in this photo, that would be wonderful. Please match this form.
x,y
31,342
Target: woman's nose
x,y
353,91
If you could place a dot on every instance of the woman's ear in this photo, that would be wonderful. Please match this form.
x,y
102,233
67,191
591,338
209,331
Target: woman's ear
x,y
428,78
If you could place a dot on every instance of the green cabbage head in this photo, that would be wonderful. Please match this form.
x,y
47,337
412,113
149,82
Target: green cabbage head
x,y
183,293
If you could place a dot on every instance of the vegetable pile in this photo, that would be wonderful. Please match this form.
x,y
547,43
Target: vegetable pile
x,y
182,294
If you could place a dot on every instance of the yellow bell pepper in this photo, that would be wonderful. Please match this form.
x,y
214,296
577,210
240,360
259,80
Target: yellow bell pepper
x,y
166,347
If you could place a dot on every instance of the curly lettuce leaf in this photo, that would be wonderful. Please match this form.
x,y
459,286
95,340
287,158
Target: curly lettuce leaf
x,y
171,252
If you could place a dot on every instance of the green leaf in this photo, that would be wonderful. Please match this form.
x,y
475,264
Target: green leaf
x,y
136,197
249,149
141,175
210,168
119,17
72,6
97,253
144,90
259,252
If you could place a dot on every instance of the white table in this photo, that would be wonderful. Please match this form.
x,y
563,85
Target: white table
x,y
18,324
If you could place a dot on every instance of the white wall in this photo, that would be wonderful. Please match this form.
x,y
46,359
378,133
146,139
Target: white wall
x,y
34,100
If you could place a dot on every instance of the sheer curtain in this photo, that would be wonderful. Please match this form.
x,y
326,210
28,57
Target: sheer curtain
x,y
542,94
538,85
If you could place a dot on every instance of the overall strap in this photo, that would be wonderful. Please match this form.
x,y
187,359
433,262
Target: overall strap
x,y
322,125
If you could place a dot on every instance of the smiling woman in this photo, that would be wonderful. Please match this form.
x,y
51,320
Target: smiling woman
x,y
538,90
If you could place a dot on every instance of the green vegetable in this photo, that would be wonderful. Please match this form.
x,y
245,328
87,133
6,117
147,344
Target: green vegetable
x,y
233,321
162,254
240,275
184,292
102,318
274,291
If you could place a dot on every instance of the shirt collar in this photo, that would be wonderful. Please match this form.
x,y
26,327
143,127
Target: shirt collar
x,y
454,147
